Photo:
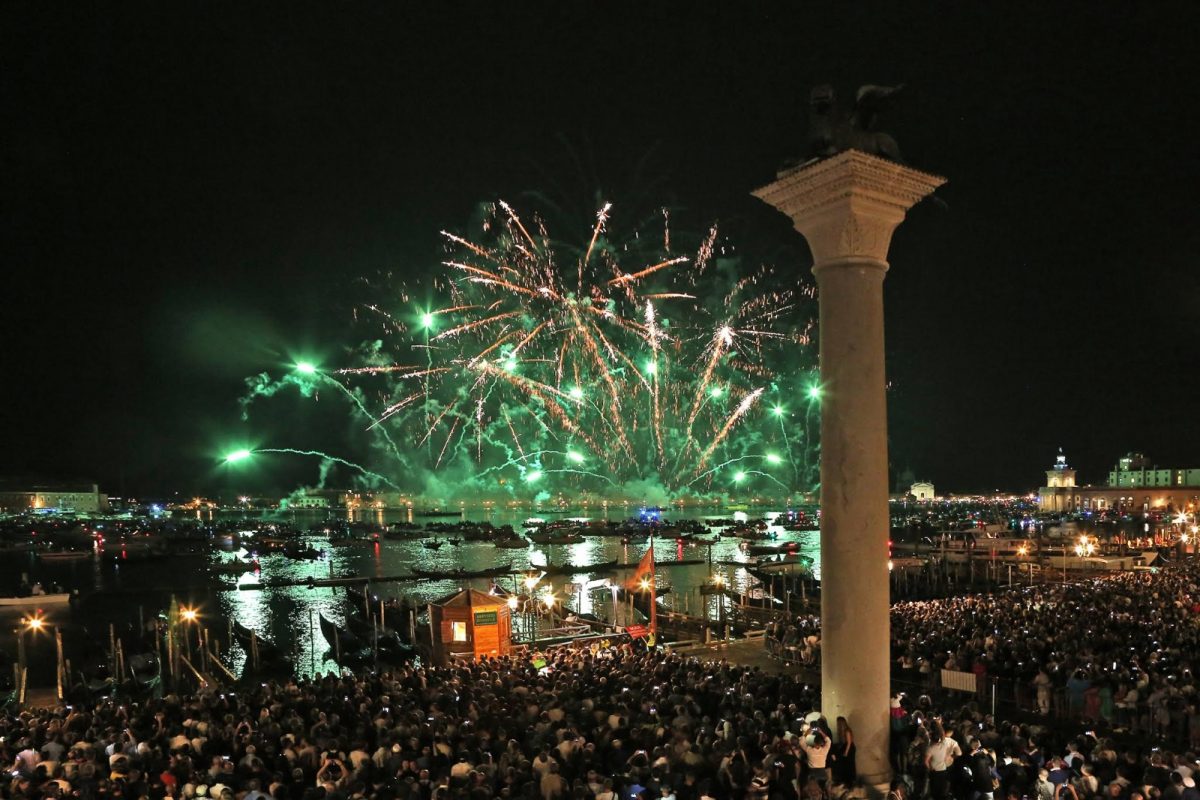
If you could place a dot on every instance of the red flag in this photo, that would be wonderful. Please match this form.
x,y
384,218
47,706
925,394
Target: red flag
x,y
645,569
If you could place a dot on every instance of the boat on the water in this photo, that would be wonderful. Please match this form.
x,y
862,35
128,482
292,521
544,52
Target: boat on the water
x,y
235,567
437,512
549,537
55,599
511,543
391,645
341,641
460,574
431,545
145,671
572,569
268,651
64,555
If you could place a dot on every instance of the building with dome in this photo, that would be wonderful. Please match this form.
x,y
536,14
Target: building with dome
x,y
1133,485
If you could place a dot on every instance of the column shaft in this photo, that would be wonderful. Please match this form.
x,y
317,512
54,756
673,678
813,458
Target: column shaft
x,y
854,509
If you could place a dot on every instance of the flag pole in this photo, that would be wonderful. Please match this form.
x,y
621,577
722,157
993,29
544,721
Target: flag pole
x,y
653,593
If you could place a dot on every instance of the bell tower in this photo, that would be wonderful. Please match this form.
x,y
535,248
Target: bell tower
x,y
1061,475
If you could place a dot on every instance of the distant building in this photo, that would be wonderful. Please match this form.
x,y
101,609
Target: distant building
x,y
84,499
305,499
1134,485
1134,469
922,491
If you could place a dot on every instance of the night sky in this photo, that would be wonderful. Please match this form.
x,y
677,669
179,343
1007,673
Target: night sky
x,y
190,191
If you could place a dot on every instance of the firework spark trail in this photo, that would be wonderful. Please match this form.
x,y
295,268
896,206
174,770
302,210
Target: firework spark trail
x,y
416,372
437,422
787,448
543,392
479,323
394,408
446,444
742,408
609,381
319,454
500,340
513,216
474,248
655,410
720,340
580,472
516,439
721,466
482,276
637,276
601,218
358,403
766,475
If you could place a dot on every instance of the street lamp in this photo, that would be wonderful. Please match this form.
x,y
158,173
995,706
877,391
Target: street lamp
x,y
191,616
35,624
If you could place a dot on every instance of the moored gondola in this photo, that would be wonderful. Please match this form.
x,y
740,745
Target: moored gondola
x,y
391,645
269,654
462,574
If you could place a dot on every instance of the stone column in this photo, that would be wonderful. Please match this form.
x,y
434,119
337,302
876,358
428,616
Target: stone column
x,y
847,207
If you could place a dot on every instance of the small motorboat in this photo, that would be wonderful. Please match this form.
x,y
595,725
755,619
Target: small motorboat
x,y
431,545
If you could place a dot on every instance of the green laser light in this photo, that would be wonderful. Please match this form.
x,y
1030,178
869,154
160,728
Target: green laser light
x,y
739,476
777,411
533,476
773,458
237,455
306,368
814,392
427,320
716,392
574,456
576,393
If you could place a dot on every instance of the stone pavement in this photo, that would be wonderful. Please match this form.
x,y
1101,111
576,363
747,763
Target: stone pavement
x,y
750,653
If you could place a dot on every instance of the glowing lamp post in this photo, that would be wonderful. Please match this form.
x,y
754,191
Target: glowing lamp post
x,y
35,625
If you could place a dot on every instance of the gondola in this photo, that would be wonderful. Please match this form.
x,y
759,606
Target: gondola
x,y
340,639
390,643
268,652
572,569
431,545
549,537
511,543
309,553
462,574
146,673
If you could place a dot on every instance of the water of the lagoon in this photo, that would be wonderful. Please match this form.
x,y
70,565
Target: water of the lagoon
x,y
116,589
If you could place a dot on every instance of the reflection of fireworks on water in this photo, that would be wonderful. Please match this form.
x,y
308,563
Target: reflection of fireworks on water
x,y
611,362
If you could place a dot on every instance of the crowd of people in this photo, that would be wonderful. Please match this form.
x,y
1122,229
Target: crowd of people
x,y
1117,651
618,722
602,723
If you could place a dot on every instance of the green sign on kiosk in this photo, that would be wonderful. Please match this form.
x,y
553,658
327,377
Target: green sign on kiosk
x,y
485,617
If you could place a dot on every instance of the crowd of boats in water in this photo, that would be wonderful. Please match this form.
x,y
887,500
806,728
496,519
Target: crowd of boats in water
x,y
384,629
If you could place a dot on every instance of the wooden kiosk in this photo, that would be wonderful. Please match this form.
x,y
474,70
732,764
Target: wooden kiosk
x,y
470,624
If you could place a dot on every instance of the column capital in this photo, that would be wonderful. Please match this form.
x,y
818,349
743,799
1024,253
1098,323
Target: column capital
x,y
848,205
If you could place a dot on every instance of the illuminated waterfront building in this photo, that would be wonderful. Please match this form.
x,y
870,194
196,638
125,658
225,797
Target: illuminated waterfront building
x,y
922,491
1134,485
82,498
